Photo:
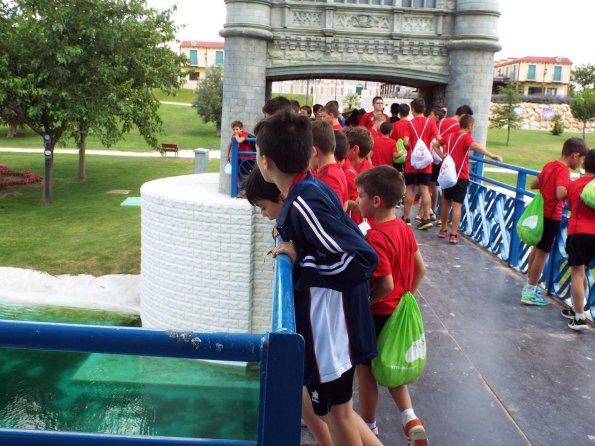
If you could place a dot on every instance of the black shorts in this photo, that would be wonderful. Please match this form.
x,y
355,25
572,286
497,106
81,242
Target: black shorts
x,y
456,193
550,231
580,249
417,178
379,321
326,395
399,166
435,172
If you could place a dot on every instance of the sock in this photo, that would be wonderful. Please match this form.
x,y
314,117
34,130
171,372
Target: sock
x,y
579,316
531,288
407,415
372,425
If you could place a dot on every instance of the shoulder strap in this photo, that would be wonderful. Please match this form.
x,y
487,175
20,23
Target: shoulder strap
x,y
440,126
453,147
422,130
397,254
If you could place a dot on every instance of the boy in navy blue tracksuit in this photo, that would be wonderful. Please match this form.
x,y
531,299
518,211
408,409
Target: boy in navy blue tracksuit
x,y
332,263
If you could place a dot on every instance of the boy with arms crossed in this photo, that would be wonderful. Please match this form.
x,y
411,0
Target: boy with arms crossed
x,y
331,266
400,268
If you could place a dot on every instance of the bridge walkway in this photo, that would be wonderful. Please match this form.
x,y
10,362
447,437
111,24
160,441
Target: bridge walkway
x,y
498,373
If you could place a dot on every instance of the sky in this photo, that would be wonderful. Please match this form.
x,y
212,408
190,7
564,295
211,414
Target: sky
x,y
547,28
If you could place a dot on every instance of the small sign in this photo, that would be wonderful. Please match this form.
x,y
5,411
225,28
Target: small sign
x,y
520,111
547,114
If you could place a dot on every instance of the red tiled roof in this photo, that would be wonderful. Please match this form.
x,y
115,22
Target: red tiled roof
x,y
197,44
534,59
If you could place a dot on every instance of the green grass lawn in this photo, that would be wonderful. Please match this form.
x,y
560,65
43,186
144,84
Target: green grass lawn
x,y
183,95
181,126
84,230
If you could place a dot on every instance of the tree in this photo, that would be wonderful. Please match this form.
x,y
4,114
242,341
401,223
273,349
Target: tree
x,y
208,98
76,66
351,101
583,76
504,114
583,107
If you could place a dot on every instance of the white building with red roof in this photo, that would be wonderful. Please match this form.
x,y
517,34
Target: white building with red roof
x,y
536,75
201,56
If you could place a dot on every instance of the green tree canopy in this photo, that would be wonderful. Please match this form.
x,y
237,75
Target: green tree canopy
x,y
504,114
583,76
75,66
583,107
208,99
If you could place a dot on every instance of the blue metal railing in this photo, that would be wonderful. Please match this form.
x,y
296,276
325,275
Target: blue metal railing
x,y
279,352
240,169
490,214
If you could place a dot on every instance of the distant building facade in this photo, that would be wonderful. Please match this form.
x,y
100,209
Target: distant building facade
x,y
535,75
201,55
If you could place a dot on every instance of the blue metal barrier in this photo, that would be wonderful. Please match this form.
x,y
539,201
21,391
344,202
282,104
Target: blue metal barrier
x,y
240,169
489,217
279,352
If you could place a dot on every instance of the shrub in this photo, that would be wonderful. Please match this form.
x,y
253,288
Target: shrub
x,y
558,127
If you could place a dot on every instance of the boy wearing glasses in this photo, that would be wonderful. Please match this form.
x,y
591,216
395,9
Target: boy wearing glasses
x,y
367,120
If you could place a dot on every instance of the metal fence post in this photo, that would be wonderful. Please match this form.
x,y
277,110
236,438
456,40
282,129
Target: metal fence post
x,y
519,207
234,168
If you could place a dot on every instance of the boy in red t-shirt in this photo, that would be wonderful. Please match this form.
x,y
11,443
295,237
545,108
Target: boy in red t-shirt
x,y
330,112
552,182
384,149
367,119
323,160
400,268
580,243
341,148
377,121
457,145
360,146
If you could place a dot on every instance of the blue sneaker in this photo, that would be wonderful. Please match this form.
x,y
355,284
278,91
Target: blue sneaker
x,y
532,298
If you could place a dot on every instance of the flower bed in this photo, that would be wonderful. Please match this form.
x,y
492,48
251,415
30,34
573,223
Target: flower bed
x,y
9,177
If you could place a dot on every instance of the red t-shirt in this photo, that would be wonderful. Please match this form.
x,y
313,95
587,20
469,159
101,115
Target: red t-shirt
x,y
382,151
363,166
428,135
395,257
447,126
457,146
244,147
334,177
400,129
367,120
337,126
582,217
350,175
554,174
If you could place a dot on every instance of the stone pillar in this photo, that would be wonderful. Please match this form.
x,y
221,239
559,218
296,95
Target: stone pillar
x,y
471,60
246,31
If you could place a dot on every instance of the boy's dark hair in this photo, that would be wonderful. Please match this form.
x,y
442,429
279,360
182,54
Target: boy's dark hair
x,y
257,188
464,110
295,105
574,145
386,128
239,124
307,108
361,137
394,108
341,145
404,109
333,102
286,138
439,112
383,181
323,136
275,105
589,163
466,121
418,105
376,98
331,109
316,108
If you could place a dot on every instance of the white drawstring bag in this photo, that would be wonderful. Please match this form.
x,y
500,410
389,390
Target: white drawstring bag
x,y
227,169
448,175
421,157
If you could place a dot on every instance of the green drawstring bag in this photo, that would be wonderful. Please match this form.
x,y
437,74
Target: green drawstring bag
x,y
588,194
400,148
401,346
530,225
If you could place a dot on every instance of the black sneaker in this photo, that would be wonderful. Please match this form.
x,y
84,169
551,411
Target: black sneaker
x,y
577,325
407,221
568,313
425,224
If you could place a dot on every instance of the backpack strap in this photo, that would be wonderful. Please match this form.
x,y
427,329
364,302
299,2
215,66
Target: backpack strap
x,y
422,131
440,126
453,147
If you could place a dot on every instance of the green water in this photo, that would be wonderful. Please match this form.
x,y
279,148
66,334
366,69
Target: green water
x,y
121,394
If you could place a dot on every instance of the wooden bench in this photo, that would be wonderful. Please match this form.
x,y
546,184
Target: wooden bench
x,y
169,148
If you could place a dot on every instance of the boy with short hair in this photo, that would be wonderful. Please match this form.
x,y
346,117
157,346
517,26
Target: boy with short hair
x,y
377,121
332,263
552,182
400,268
457,145
323,161
360,146
331,115
341,148
367,119
384,149
580,243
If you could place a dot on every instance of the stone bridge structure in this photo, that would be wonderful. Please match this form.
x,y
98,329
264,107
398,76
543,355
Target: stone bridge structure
x,y
444,47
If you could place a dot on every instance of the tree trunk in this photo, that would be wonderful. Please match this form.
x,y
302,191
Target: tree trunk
x,y
218,129
584,127
82,148
508,135
12,131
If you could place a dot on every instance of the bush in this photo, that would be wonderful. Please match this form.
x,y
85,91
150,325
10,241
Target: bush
x,y
558,127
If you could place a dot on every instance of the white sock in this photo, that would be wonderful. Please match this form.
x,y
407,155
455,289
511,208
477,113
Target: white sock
x,y
407,415
372,425
578,316
531,288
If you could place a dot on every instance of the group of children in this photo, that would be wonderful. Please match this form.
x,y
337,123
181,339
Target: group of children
x,y
321,183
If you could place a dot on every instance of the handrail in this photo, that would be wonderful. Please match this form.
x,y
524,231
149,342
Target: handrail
x,y
283,306
235,164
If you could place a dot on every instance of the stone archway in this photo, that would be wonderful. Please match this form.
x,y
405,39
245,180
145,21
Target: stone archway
x,y
442,46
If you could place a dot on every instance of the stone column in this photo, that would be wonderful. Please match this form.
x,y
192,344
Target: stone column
x,y
246,31
471,60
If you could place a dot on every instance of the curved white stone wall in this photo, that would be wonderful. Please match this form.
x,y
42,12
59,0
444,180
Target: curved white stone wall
x,y
203,258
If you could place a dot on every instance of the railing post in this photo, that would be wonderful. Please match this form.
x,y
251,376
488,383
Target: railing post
x,y
519,207
281,378
234,168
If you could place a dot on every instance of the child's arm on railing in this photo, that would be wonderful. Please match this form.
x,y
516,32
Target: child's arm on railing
x,y
476,147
